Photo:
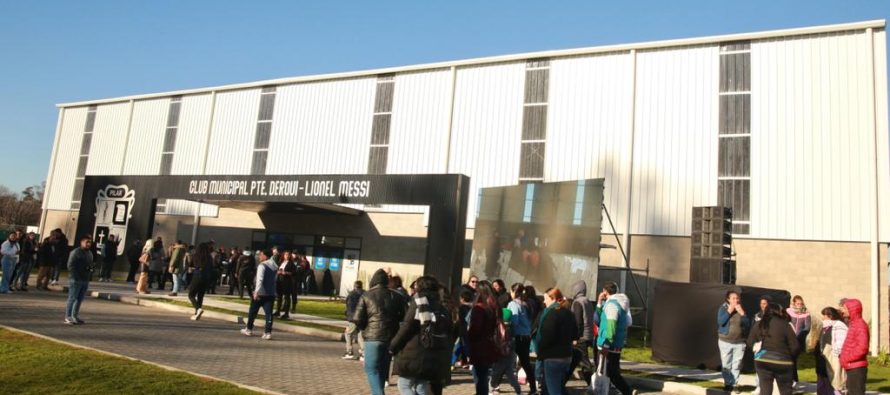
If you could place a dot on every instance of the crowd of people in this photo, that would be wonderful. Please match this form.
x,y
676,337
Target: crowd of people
x,y
491,331
777,336
23,252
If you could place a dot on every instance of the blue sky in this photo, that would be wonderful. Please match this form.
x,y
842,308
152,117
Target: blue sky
x,y
55,52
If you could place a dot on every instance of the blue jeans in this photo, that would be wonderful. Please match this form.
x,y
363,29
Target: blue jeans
x,y
481,375
409,386
551,375
25,267
8,266
177,282
77,290
377,365
731,359
266,303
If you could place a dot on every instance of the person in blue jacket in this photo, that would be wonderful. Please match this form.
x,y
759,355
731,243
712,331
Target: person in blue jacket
x,y
732,331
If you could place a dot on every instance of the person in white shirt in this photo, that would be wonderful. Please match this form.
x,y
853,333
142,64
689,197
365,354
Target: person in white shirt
x,y
9,251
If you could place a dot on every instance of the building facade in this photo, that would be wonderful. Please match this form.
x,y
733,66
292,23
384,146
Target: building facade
x,y
788,127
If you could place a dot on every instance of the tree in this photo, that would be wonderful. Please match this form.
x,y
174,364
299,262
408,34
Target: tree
x,y
23,209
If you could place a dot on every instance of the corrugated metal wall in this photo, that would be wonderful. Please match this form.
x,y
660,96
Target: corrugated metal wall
x,y
146,137
109,139
322,127
419,129
811,138
487,127
191,144
589,124
234,127
675,145
880,55
67,156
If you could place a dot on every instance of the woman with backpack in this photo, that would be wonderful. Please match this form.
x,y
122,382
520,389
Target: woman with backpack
x,y
422,346
484,321
774,345
521,324
555,333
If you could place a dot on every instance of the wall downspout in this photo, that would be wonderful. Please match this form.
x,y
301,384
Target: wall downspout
x,y
630,168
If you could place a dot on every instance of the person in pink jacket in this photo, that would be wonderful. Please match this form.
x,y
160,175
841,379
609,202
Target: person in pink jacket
x,y
801,323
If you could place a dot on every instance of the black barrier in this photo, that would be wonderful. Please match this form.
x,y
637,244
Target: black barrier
x,y
125,205
684,321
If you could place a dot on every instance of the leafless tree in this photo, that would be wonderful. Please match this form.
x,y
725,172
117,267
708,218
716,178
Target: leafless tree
x,y
21,209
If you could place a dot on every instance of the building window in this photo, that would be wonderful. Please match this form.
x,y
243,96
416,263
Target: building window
x,y
734,134
170,136
529,203
578,217
161,206
381,124
85,145
263,136
534,120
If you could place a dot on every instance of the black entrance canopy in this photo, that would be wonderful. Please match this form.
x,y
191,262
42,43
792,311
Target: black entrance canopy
x,y
125,205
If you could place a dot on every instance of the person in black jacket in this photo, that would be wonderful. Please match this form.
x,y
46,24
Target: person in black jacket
x,y
133,253
585,315
378,315
422,344
80,263
245,271
556,331
774,345
352,334
47,262
109,255
60,249
501,294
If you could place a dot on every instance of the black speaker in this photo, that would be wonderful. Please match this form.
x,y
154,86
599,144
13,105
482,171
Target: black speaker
x,y
711,255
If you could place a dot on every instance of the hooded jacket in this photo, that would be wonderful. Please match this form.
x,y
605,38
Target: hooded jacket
x,y
583,310
614,319
412,359
380,310
855,349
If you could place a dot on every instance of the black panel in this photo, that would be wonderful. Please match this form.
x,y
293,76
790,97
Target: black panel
x,y
534,123
85,144
166,164
532,160
170,140
377,160
82,166
536,83
735,72
91,121
383,97
735,194
735,114
734,159
263,135
259,162
173,114
267,107
380,129
78,190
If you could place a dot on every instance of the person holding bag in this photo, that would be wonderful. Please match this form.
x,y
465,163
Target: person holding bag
x,y
144,260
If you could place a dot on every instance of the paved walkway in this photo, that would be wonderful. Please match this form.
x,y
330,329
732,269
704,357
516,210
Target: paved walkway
x,y
290,363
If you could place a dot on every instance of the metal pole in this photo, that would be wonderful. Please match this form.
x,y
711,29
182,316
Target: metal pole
x,y
873,246
450,119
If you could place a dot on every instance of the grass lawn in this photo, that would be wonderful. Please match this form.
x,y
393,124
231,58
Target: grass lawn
x,y
878,373
332,309
32,365
329,328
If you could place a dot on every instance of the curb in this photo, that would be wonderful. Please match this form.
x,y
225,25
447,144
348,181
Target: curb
x,y
670,386
165,367
238,319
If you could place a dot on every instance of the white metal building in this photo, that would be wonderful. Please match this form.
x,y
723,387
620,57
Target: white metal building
x,y
789,127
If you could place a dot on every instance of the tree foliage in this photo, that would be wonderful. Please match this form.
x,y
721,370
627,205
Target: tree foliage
x,y
23,208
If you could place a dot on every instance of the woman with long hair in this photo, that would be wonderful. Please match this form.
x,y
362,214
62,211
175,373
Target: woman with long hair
x,y
284,282
801,322
144,262
553,338
521,322
829,340
201,278
774,345
485,319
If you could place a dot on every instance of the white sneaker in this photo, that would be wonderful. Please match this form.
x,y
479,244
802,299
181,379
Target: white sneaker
x,y
267,336
386,384
54,283
197,315
246,332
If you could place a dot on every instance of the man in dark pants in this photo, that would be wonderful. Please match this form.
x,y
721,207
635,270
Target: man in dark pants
x,y
133,254
263,295
584,312
109,255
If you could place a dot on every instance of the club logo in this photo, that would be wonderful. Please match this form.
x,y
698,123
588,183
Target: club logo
x,y
113,208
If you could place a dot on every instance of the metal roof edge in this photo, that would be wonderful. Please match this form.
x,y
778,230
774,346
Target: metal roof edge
x,y
877,23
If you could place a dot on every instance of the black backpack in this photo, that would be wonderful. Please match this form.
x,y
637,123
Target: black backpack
x,y
437,335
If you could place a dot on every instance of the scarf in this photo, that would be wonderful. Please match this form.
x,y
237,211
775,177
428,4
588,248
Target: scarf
x,y
802,310
423,313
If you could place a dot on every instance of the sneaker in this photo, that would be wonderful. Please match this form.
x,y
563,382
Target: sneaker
x,y
386,384
79,321
348,355
69,321
267,336
198,314
494,391
285,316
54,283
171,294
246,332
361,358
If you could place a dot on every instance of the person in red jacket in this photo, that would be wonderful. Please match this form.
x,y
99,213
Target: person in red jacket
x,y
854,354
